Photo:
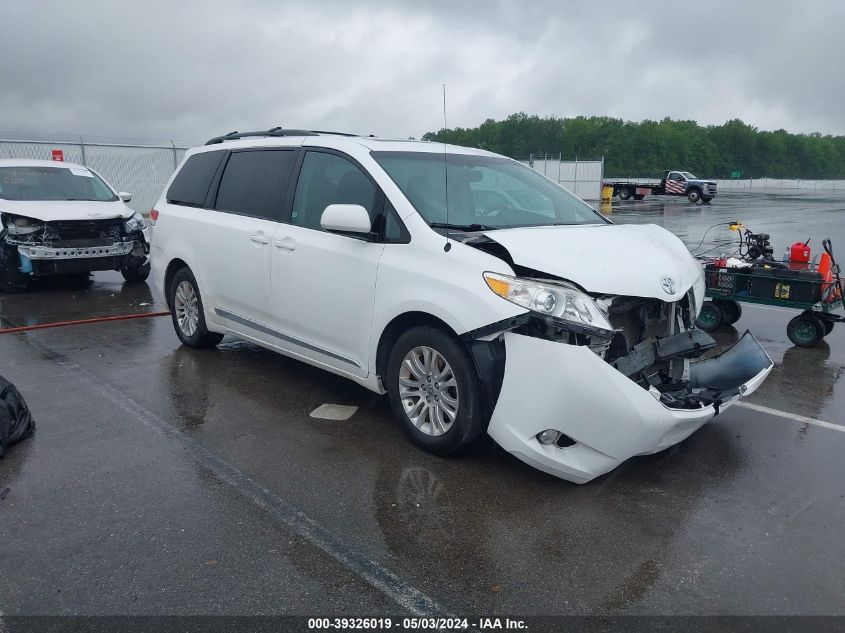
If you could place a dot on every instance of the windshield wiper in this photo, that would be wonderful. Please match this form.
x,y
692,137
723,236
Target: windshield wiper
x,y
462,227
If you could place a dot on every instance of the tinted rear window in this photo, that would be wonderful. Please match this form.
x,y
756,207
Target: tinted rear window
x,y
194,179
253,183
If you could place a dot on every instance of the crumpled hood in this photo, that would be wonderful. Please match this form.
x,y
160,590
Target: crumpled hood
x,y
53,210
630,260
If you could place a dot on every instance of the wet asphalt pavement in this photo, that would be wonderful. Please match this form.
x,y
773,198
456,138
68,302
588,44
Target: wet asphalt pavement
x,y
164,480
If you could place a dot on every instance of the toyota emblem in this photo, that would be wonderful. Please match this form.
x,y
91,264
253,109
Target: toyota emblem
x,y
668,285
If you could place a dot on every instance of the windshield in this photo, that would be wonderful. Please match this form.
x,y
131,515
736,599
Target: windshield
x,y
485,192
689,176
53,183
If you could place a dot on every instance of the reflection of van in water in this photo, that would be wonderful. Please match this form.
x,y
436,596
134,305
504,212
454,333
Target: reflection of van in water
x,y
479,295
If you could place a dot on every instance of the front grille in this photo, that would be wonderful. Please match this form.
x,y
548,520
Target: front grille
x,y
90,230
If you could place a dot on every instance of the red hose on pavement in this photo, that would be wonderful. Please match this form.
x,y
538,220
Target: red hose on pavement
x,y
120,317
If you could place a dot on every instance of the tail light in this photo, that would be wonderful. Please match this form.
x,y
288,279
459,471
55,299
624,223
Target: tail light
x,y
153,216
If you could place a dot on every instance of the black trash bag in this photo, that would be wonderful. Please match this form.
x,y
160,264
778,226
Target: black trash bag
x,y
16,421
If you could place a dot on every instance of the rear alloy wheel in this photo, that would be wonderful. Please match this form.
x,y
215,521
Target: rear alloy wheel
x,y
711,318
732,310
624,193
805,330
434,391
694,195
187,312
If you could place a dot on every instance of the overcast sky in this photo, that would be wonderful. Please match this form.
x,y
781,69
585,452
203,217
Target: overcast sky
x,y
194,69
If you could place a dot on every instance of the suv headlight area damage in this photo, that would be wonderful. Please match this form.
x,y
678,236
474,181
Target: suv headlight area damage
x,y
31,247
589,381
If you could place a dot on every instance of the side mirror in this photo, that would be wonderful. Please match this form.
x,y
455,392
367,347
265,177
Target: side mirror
x,y
126,197
346,218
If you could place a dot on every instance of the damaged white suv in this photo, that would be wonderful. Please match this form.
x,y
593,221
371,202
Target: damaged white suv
x,y
61,218
497,303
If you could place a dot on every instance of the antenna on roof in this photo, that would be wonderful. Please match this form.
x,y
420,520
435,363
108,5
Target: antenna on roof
x,y
448,246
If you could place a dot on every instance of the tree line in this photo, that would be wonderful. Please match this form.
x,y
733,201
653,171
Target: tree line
x,y
647,148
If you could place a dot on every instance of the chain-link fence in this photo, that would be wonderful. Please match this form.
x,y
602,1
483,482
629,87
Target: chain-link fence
x,y
140,168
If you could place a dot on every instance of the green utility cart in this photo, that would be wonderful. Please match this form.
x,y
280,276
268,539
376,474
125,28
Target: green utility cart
x,y
773,284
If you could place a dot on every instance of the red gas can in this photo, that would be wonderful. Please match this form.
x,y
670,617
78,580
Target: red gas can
x,y
799,253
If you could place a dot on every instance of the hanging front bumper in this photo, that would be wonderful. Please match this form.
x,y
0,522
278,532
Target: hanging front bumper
x,y
607,416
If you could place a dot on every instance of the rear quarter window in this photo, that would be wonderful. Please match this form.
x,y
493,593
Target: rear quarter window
x,y
191,185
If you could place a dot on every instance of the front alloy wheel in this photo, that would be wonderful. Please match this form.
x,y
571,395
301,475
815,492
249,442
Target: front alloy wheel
x,y
428,390
434,390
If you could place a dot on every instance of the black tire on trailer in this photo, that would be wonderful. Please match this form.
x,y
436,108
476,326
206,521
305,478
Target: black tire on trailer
x,y
187,311
805,330
624,193
639,196
711,317
732,310
434,391
694,195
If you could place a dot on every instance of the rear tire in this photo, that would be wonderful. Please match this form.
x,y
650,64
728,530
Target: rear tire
x,y
187,312
732,311
624,193
711,318
639,196
828,326
694,195
434,391
706,199
805,330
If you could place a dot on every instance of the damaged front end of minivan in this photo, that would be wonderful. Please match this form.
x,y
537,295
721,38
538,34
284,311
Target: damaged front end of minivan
x,y
583,381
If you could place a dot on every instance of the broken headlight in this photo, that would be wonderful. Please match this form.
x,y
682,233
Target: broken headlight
x,y
19,225
135,222
559,301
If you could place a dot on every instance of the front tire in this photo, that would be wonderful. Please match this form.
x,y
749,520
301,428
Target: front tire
x,y
624,193
434,391
694,195
135,274
187,312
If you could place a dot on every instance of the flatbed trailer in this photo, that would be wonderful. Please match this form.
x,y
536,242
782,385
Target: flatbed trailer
x,y
673,183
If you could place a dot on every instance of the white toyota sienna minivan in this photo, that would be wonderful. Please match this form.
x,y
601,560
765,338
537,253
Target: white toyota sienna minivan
x,y
476,293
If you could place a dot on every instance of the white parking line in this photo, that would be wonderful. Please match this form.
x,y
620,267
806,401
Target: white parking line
x,y
773,308
792,416
338,412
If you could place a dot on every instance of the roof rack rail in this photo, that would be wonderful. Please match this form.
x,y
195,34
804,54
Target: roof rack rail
x,y
273,131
